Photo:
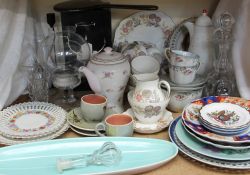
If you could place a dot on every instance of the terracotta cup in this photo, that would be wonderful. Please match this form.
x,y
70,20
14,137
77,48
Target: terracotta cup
x,y
116,125
93,107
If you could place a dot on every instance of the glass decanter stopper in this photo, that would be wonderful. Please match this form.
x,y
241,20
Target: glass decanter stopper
x,y
107,155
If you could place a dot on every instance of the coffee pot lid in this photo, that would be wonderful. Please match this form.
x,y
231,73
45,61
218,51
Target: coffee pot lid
x,y
108,57
203,20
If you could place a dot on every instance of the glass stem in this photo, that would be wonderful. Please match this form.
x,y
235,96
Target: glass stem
x,y
68,96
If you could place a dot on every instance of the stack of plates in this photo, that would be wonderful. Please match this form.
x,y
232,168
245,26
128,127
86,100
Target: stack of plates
x,y
204,145
225,118
32,121
79,125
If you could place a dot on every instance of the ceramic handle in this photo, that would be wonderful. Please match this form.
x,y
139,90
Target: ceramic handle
x,y
167,54
167,86
98,127
198,66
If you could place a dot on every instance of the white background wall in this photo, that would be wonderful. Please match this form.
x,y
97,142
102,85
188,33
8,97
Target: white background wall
x,y
177,9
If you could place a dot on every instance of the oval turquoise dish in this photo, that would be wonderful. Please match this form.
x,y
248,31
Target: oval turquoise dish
x,y
39,158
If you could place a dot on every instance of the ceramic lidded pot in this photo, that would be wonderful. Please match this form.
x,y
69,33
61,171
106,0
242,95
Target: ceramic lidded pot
x,y
107,74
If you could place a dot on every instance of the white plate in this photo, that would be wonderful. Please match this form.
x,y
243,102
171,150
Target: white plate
x,y
225,116
154,127
9,141
31,120
148,26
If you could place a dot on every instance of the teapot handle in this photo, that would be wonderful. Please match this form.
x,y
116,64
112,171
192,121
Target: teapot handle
x,y
167,55
167,86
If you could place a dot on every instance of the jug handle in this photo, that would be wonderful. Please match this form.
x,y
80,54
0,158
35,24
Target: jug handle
x,y
167,86
167,54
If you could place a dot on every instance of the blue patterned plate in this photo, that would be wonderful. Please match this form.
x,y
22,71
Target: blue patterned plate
x,y
191,114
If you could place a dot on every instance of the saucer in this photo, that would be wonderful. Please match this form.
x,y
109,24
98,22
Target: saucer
x,y
151,128
85,133
75,119
198,82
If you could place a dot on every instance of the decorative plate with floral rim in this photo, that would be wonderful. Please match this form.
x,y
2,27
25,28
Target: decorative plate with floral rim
x,y
191,114
31,120
13,141
152,27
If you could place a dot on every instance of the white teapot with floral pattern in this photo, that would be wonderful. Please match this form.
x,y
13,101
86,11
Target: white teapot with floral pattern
x,y
107,74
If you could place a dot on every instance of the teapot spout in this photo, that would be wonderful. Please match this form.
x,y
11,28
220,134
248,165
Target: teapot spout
x,y
92,79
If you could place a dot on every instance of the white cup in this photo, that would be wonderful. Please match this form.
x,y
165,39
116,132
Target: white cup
x,y
121,125
93,107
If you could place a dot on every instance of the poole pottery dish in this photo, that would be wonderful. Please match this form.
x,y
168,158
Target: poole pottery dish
x,y
229,164
154,127
191,114
148,26
40,158
31,120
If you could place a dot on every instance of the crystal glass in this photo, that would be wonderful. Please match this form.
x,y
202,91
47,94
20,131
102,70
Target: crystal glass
x,y
108,155
64,52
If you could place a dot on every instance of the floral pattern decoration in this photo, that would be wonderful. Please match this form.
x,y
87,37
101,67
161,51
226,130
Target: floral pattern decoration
x,y
149,111
14,127
225,117
144,19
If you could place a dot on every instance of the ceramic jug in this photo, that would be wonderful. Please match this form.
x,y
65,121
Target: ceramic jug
x,y
107,74
149,100
201,41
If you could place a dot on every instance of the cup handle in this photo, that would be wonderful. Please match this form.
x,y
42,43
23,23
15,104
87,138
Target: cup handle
x,y
98,127
198,66
166,86
167,54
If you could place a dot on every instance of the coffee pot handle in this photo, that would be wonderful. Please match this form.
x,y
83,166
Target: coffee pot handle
x,y
167,53
167,86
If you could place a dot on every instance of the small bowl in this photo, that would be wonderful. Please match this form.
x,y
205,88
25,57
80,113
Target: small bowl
x,y
145,64
179,98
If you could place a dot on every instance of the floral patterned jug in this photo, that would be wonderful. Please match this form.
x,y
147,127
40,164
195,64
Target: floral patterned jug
x,y
149,101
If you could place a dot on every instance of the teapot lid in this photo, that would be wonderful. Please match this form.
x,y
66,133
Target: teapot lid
x,y
108,57
203,20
